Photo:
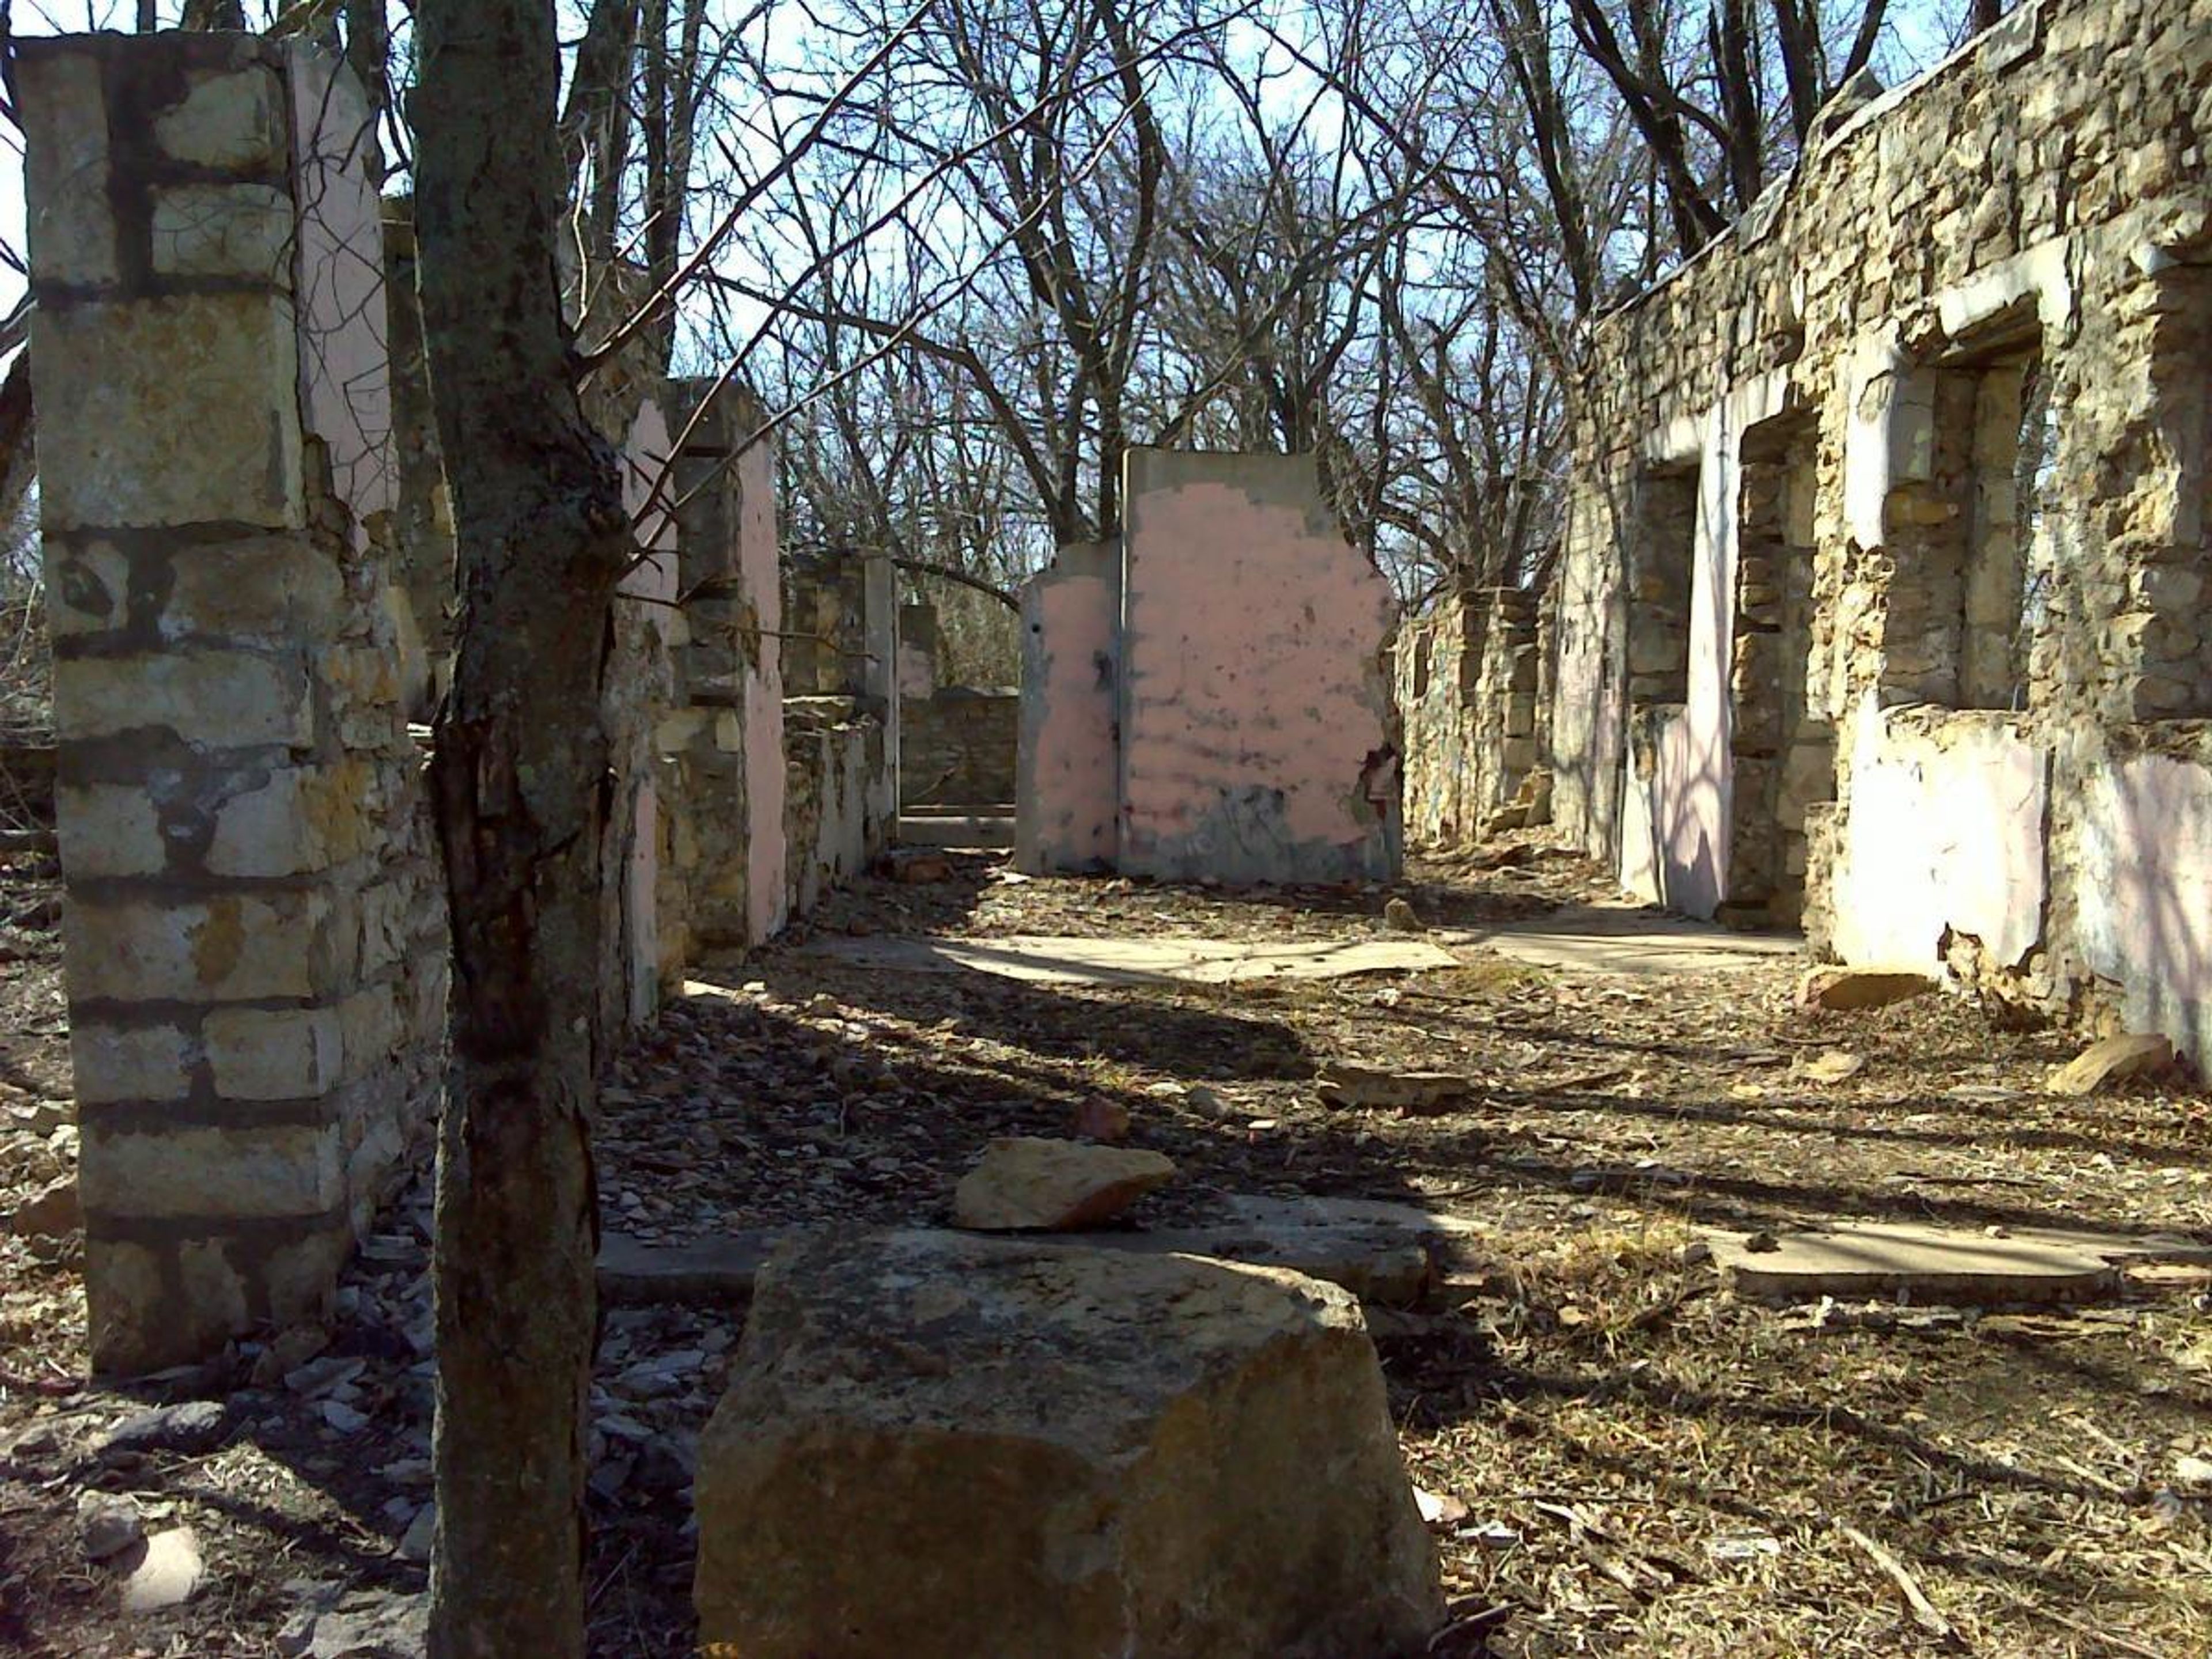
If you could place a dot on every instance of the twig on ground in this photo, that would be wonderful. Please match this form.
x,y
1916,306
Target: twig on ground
x,y
1924,1612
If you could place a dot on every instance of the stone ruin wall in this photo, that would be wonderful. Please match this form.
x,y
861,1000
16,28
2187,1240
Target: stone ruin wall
x,y
1882,598
1468,690
255,926
957,742
840,720
250,576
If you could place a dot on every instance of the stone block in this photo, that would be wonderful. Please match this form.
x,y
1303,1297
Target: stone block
x,y
301,1277
229,118
304,818
267,590
108,829
211,699
70,224
134,1323
369,1024
114,1063
221,947
129,396
223,230
88,588
235,1172
285,1053
1070,1451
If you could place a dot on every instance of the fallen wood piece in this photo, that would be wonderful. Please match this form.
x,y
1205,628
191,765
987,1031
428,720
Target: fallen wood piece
x,y
1924,1612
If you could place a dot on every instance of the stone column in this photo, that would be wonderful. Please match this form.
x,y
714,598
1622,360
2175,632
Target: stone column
x,y
254,929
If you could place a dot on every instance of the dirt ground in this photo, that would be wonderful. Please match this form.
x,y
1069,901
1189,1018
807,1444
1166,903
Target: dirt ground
x,y
1626,1460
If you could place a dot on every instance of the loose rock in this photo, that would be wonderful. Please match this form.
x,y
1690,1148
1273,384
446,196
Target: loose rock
x,y
1346,1083
53,1213
168,1573
1067,1451
110,1523
1057,1186
1399,916
195,1426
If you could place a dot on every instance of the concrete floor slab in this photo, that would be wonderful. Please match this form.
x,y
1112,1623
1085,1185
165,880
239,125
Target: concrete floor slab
x,y
1149,959
1601,938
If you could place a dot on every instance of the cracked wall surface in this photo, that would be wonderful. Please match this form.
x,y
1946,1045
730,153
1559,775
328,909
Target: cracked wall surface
x,y
1880,603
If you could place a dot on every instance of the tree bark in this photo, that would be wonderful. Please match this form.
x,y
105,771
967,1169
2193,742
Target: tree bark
x,y
519,782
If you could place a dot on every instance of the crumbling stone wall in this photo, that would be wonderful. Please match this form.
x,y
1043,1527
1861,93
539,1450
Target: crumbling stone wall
x,y
1468,687
254,935
837,809
719,742
1942,397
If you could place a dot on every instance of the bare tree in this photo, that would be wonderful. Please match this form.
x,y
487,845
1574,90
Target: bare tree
x,y
518,786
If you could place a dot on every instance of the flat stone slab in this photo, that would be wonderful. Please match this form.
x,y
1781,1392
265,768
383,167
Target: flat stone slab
x,y
634,1274
1866,1259
1049,959
1391,1254
1596,938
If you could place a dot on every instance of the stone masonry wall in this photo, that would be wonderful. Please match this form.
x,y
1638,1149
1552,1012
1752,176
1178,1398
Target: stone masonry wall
x,y
1466,688
1940,407
956,747
253,934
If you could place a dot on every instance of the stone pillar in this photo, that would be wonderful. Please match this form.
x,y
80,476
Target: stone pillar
x,y
880,689
254,945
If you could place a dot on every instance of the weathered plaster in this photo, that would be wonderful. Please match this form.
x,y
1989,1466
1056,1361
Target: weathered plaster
x,y
1257,737
1067,792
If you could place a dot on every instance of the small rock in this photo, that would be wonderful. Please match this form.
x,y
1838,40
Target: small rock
x,y
110,1523
342,1418
1202,1100
1058,1185
1759,1243
1399,916
1831,1066
916,866
421,1534
168,1572
2115,1060
1346,1083
295,1347
1842,990
54,1212
1105,1121
195,1426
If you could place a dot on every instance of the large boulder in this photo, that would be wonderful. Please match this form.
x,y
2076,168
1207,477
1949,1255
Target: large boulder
x,y
951,1447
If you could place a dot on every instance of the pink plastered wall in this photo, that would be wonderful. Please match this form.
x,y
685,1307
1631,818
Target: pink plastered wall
x,y
1067,789
1257,740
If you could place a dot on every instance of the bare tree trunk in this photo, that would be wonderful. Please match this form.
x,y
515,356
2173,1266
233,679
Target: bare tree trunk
x,y
519,782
